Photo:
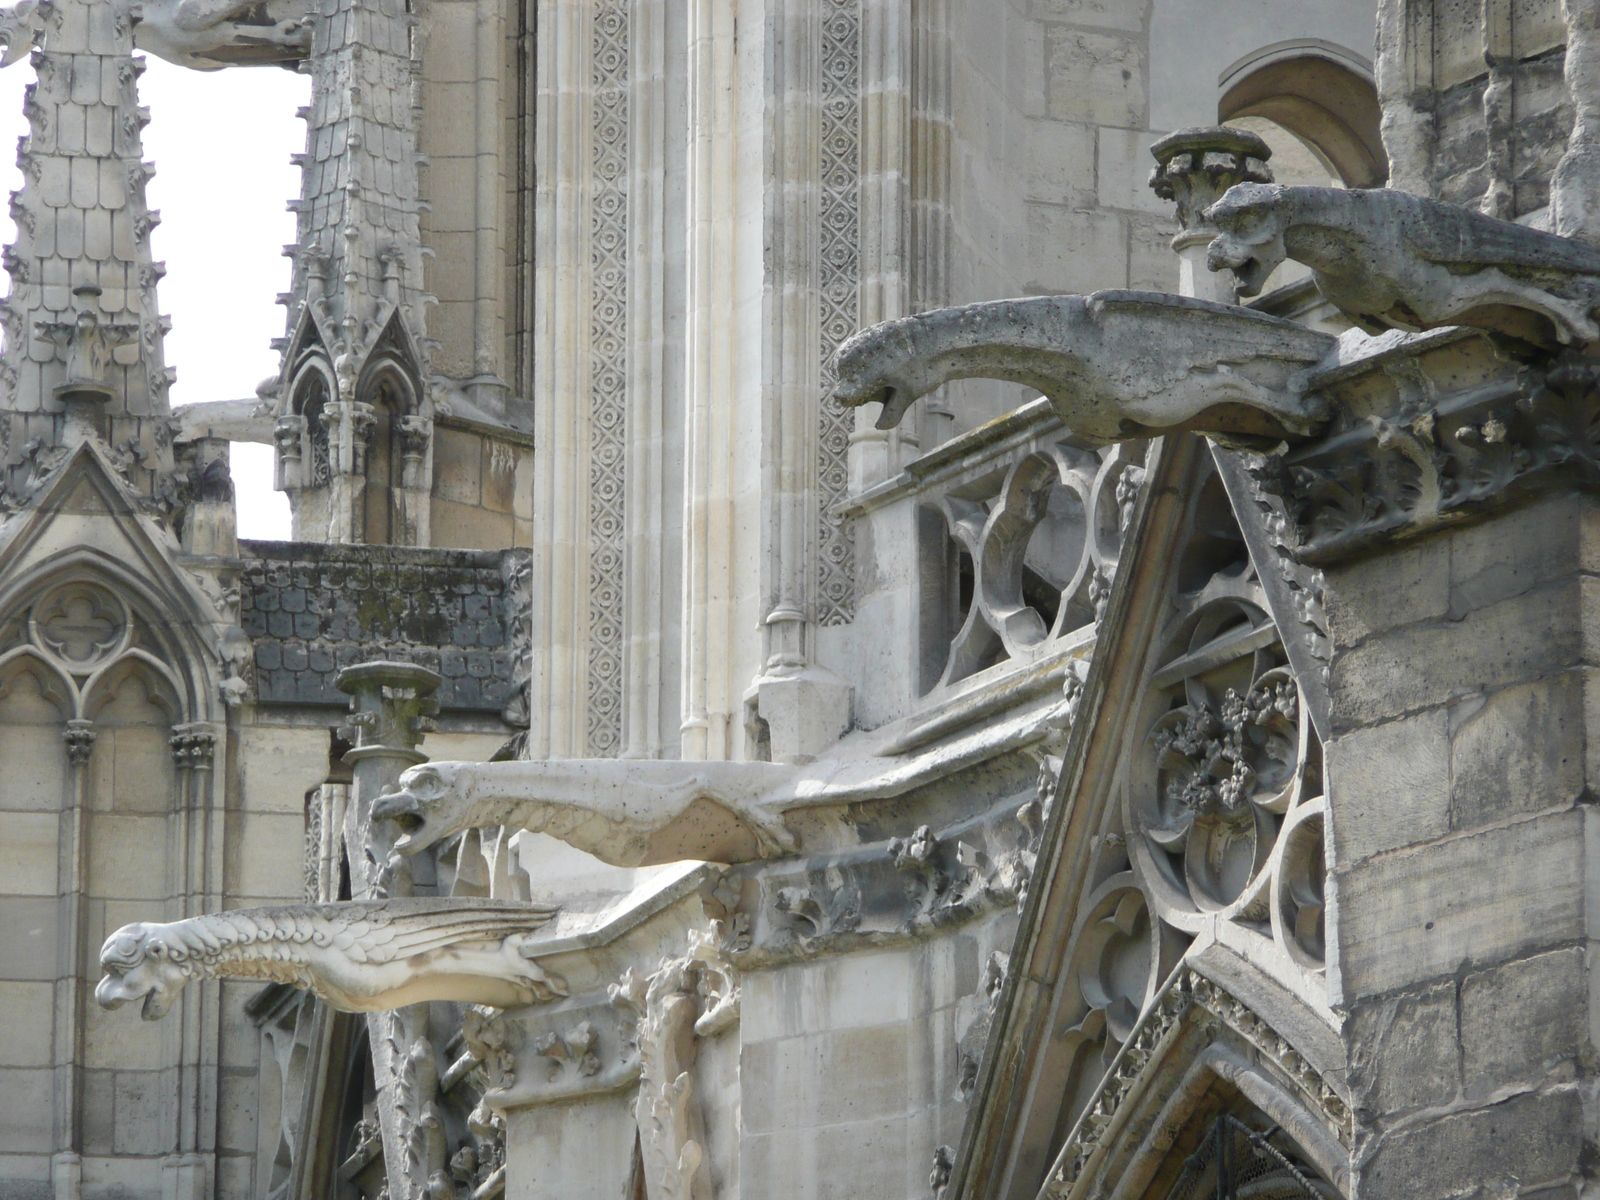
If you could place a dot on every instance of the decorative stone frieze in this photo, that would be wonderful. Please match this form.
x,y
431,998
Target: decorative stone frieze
x,y
1430,465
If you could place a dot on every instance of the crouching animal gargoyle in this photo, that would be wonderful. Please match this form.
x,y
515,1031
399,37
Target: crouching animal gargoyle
x,y
1115,364
629,813
359,956
1388,259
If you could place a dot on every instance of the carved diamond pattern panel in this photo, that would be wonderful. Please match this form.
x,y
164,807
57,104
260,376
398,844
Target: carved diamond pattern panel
x,y
839,277
608,364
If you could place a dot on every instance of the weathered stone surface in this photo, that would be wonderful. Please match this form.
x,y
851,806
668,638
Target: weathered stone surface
x,y
1534,1137
1422,913
1523,1020
1404,1052
312,610
1410,584
1431,663
1519,750
1393,784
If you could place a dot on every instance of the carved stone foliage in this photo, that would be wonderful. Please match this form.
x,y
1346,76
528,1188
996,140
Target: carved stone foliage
x,y
1042,550
608,366
1432,464
903,888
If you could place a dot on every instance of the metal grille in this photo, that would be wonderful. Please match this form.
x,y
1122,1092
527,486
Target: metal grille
x,y
1237,1163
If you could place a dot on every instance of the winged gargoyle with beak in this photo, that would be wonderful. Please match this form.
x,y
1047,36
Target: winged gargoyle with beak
x,y
1115,364
1391,260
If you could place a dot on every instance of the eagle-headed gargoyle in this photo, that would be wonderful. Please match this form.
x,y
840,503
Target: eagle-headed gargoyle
x,y
630,813
1115,364
1391,260
359,956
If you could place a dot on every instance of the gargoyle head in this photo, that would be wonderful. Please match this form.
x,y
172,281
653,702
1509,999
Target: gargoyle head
x,y
139,962
427,806
883,364
1252,218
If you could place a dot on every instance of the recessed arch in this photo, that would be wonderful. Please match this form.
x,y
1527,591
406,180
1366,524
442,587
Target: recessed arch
x,y
1322,94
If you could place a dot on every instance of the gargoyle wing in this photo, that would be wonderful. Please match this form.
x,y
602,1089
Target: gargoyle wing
x,y
401,929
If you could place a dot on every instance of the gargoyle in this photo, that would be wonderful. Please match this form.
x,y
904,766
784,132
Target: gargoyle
x,y
628,813
1115,364
211,34
361,956
20,28
1388,259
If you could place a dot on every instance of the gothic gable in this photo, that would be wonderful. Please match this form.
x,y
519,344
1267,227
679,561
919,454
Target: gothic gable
x,y
1183,852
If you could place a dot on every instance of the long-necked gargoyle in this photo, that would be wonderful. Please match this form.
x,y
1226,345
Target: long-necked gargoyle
x,y
641,812
359,956
627,812
1115,364
1391,260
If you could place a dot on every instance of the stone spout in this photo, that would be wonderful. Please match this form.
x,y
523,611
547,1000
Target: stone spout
x,y
363,956
1115,364
1391,260
627,812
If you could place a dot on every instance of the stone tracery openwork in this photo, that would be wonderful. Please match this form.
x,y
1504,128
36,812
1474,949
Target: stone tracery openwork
x,y
1220,817
1043,549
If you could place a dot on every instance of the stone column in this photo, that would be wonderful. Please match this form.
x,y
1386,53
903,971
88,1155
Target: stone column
x,y
391,708
72,866
1193,168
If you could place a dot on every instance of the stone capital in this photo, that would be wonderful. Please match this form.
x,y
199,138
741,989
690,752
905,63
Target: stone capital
x,y
1194,167
391,708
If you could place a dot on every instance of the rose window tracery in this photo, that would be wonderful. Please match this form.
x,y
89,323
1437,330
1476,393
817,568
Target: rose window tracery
x,y
1222,763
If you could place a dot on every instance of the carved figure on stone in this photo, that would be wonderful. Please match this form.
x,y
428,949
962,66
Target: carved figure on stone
x,y
1388,259
21,26
359,956
693,996
86,343
626,813
1115,364
208,35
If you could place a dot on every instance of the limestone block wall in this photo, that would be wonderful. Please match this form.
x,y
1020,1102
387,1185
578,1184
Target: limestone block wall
x,y
1461,844
482,489
849,1068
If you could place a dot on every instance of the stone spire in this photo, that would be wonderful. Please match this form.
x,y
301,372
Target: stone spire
x,y
83,334
356,325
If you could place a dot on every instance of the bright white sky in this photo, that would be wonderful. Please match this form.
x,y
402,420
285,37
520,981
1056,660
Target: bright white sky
x,y
221,143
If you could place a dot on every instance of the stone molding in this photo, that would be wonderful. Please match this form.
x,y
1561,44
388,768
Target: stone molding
x,y
1189,999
